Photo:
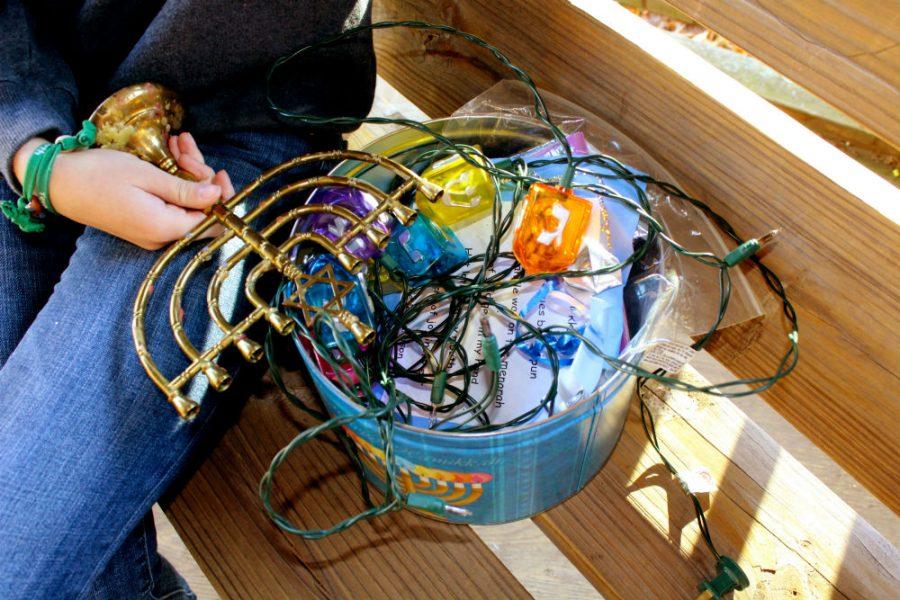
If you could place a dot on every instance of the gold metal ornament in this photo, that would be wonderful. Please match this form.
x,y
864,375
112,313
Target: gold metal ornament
x,y
334,308
274,258
138,119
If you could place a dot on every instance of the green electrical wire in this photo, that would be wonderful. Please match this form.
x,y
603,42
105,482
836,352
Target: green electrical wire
x,y
474,283
540,107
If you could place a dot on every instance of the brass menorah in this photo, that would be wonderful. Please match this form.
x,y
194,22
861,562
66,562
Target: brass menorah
x,y
146,133
272,258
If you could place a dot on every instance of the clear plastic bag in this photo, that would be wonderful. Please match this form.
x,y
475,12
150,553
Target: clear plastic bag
x,y
659,303
695,304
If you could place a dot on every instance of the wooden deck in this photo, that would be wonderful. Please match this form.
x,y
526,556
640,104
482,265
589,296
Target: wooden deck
x,y
630,533
755,165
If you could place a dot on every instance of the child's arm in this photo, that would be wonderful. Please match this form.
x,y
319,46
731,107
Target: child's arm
x,y
37,89
128,197
112,191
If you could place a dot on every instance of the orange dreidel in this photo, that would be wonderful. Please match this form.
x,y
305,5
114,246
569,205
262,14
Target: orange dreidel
x,y
548,238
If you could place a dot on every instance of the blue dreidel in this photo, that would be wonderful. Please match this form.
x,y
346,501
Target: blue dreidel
x,y
423,247
552,296
604,330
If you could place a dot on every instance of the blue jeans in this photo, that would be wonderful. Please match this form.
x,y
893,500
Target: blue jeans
x,y
87,443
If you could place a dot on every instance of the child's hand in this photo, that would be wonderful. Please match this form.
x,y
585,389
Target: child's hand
x,y
131,198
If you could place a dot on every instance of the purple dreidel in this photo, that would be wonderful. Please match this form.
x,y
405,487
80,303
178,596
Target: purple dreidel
x,y
333,227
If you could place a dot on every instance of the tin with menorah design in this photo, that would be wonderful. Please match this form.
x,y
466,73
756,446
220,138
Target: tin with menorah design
x,y
515,472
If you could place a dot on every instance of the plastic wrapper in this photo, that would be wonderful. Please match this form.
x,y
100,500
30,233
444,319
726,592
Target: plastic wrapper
x,y
696,302
667,298
549,434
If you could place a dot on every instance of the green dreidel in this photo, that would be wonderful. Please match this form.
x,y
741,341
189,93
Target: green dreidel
x,y
729,577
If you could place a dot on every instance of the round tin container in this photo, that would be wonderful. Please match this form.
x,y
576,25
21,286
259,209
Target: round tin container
x,y
509,474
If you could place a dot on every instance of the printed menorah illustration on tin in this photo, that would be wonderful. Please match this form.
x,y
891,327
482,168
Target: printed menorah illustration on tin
x,y
455,488
273,258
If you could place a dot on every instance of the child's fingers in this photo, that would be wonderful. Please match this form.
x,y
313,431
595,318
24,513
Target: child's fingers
x,y
211,231
173,146
195,195
188,145
222,180
196,168
160,222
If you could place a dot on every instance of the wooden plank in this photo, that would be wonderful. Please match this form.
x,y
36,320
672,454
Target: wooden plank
x,y
792,534
769,512
171,546
535,561
802,539
245,555
836,253
808,454
644,516
847,52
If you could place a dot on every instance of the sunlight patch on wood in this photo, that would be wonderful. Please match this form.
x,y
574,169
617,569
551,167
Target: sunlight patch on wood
x,y
782,129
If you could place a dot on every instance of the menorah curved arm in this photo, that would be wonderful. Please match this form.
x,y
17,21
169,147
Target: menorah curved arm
x,y
273,258
186,407
217,377
430,190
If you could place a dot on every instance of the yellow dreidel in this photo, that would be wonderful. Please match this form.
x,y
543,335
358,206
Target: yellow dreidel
x,y
468,190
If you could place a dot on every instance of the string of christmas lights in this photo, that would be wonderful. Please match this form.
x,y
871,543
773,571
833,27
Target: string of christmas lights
x,y
552,218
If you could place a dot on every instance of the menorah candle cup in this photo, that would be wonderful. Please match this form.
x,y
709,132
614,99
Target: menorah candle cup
x,y
353,264
362,333
250,350
430,191
378,237
218,377
186,408
404,214
280,322
138,119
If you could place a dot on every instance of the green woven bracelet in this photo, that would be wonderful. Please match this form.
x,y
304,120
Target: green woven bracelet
x,y
29,182
42,178
36,183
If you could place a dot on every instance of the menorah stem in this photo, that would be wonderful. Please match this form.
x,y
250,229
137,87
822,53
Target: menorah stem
x,y
258,302
260,244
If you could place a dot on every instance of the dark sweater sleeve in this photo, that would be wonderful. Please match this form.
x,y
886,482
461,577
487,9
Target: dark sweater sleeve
x,y
38,95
